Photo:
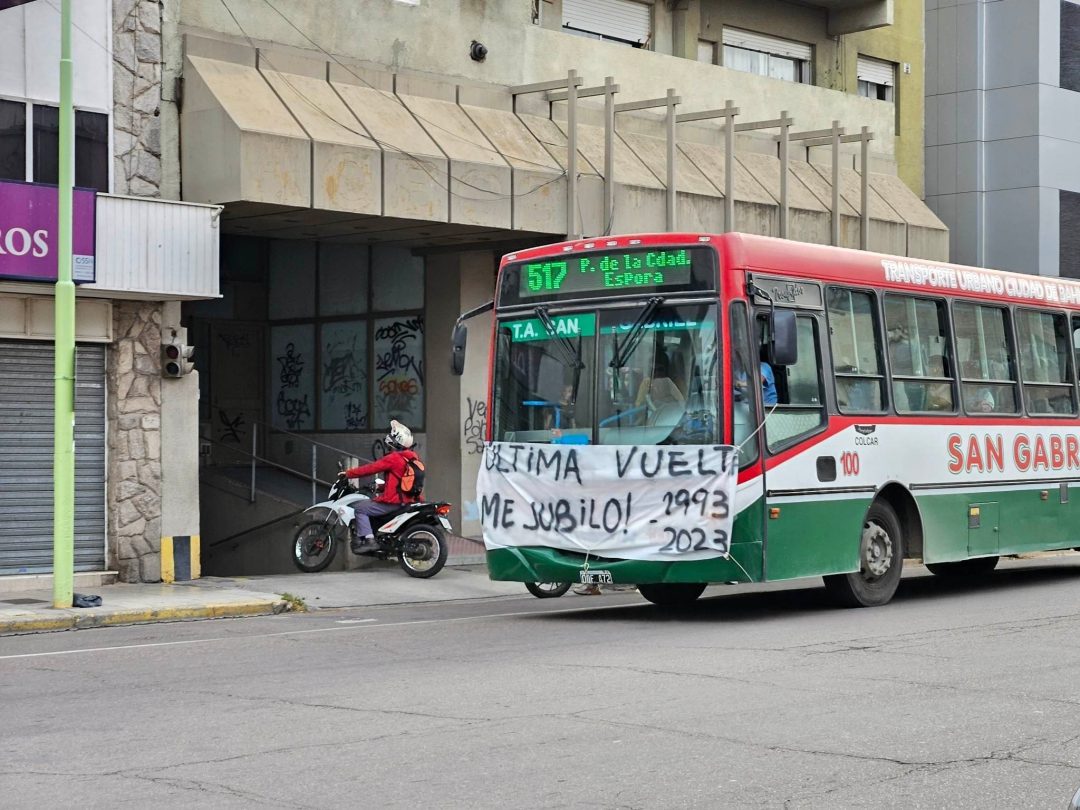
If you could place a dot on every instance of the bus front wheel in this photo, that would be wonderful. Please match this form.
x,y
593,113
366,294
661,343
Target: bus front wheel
x,y
671,594
881,558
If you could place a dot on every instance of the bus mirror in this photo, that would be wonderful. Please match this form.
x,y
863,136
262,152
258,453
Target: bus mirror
x,y
457,349
783,343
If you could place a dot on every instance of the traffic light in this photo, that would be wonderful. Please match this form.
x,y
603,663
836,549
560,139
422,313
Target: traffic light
x,y
176,358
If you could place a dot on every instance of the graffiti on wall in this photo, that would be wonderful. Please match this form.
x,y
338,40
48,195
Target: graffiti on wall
x,y
231,427
475,427
344,376
399,369
293,379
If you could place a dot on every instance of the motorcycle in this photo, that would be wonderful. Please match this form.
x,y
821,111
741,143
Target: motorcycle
x,y
414,534
547,590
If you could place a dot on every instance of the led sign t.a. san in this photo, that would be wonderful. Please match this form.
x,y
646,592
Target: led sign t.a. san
x,y
613,271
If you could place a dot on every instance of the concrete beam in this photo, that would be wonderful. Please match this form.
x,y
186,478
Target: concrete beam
x,y
875,14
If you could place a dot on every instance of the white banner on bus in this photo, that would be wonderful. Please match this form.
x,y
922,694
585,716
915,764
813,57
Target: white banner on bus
x,y
648,502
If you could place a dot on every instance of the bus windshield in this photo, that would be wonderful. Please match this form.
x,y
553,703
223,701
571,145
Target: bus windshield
x,y
608,376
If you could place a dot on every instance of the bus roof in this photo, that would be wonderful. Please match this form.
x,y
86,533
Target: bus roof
x,y
825,263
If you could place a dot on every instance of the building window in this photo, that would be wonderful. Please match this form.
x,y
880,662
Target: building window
x,y
35,129
706,51
346,337
1069,234
12,140
1070,45
625,21
767,56
877,79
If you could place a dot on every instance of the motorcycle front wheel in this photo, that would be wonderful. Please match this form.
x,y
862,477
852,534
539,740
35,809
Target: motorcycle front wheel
x,y
314,546
423,551
547,590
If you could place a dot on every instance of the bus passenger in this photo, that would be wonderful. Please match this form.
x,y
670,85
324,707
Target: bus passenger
x,y
981,401
659,388
768,384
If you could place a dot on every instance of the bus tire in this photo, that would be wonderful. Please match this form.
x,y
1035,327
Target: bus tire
x,y
672,594
881,559
980,566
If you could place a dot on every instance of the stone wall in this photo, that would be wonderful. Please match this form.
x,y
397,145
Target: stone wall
x,y
134,416
137,97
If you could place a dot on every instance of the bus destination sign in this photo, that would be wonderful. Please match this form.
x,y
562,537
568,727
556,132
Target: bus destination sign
x,y
612,272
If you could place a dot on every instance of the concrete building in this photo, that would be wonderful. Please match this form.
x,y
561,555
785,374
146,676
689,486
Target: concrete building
x,y
364,166
374,159
1002,146
139,253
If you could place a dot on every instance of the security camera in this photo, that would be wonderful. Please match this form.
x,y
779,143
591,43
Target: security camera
x,y
478,51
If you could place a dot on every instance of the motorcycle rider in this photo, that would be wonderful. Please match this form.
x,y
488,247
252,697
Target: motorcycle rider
x,y
400,441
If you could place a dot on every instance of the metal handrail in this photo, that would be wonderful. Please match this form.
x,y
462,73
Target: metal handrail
x,y
256,460
274,429
231,537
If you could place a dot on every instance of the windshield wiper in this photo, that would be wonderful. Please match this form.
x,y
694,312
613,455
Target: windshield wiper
x,y
636,333
571,355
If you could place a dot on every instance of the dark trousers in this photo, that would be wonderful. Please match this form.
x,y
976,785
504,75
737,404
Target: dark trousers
x,y
364,509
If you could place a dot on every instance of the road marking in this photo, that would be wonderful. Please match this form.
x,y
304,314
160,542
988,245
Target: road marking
x,y
316,630
355,621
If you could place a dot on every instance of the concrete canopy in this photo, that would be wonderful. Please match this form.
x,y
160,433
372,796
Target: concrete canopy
x,y
296,147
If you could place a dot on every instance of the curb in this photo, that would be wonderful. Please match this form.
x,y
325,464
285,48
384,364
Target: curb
x,y
86,621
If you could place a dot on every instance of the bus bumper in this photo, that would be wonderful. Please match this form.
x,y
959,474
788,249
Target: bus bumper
x,y
539,564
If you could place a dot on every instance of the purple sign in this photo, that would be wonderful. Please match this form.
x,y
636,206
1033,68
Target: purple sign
x,y
28,232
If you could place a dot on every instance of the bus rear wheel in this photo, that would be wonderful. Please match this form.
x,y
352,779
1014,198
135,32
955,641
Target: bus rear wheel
x,y
881,558
980,566
672,594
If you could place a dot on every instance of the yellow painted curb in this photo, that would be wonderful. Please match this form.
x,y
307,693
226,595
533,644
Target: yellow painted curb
x,y
9,626
86,621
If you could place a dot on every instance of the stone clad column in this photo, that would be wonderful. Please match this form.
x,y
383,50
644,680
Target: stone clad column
x,y
134,425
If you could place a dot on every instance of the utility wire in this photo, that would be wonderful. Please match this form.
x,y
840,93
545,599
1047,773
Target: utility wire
x,y
391,96
491,195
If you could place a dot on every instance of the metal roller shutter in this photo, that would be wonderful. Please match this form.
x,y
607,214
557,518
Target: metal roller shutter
x,y
876,71
766,44
26,456
618,19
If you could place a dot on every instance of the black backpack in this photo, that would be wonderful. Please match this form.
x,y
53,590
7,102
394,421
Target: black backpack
x,y
411,484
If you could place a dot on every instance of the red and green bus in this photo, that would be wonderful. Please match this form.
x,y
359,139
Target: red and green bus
x,y
871,408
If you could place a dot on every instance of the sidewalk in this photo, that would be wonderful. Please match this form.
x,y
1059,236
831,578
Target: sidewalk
x,y
31,611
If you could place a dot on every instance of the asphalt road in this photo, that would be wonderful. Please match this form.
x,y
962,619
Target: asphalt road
x,y
954,695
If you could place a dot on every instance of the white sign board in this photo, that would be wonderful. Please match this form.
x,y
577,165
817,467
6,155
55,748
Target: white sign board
x,y
663,503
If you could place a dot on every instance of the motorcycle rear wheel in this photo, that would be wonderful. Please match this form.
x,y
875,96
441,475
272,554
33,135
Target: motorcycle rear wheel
x,y
314,546
423,551
547,590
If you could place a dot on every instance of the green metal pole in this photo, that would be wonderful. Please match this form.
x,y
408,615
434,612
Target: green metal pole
x,y
64,424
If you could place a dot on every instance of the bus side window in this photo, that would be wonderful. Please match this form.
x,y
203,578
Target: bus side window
x,y
800,400
855,341
1044,363
1076,344
919,354
743,398
986,361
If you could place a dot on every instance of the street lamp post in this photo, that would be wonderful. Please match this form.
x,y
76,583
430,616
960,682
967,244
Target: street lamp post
x,y
64,397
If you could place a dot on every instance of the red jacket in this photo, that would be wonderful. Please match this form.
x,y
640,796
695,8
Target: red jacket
x,y
394,465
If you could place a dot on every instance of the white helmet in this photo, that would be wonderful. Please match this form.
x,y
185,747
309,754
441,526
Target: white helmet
x,y
399,437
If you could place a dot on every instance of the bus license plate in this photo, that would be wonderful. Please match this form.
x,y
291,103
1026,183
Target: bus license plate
x,y
595,577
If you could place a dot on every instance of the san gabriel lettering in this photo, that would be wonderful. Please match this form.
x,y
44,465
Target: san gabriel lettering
x,y
990,453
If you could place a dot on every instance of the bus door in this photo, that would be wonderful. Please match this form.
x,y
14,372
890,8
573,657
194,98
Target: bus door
x,y
745,412
794,409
